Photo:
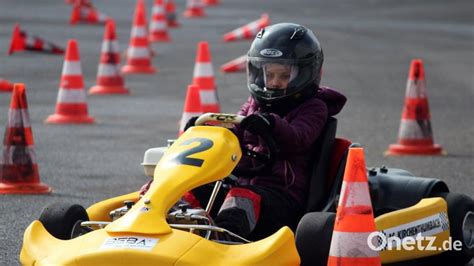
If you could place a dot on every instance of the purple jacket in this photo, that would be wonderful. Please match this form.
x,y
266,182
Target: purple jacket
x,y
294,134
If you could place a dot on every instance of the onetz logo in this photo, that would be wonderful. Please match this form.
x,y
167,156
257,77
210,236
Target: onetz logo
x,y
271,52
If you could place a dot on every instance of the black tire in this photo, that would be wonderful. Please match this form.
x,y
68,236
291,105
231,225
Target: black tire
x,y
459,207
313,237
60,218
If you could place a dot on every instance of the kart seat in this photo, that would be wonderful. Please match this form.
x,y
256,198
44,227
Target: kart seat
x,y
328,157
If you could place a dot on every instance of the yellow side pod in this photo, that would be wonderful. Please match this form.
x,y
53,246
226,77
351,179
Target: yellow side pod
x,y
428,218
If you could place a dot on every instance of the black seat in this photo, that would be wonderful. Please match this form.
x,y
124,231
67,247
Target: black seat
x,y
319,162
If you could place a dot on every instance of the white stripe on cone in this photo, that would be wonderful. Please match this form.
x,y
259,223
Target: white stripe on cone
x,y
415,129
203,70
18,118
10,151
72,68
208,97
71,96
30,41
139,31
184,119
158,25
157,9
416,89
352,245
108,70
110,47
138,52
357,192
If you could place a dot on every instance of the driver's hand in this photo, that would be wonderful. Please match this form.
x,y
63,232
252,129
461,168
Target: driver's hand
x,y
190,122
258,124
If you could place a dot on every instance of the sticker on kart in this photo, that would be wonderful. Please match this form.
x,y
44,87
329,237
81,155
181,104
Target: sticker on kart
x,y
130,242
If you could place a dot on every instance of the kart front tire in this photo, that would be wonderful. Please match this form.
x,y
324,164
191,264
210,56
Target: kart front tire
x,y
313,237
60,218
459,208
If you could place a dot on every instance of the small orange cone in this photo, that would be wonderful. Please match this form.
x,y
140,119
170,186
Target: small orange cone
x,y
211,2
237,65
192,106
194,9
22,41
415,136
71,107
171,17
5,85
86,13
18,168
354,218
249,30
139,52
204,79
109,79
158,25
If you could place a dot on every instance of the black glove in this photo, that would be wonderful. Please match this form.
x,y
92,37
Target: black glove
x,y
190,123
258,124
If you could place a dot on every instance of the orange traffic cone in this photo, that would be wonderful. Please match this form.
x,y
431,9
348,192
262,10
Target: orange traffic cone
x,y
192,106
158,25
5,85
18,168
109,79
211,2
22,41
249,30
236,65
138,52
415,136
171,17
71,107
204,79
86,13
354,218
194,9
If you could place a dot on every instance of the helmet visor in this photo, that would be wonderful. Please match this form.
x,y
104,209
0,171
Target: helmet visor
x,y
273,77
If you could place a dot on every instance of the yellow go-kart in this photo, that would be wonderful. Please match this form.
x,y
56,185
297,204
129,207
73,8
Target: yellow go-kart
x,y
156,230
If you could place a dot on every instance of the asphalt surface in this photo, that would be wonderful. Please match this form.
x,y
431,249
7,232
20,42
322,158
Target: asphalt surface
x,y
368,46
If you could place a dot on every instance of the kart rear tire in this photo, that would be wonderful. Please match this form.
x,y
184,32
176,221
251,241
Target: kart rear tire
x,y
60,218
459,206
313,237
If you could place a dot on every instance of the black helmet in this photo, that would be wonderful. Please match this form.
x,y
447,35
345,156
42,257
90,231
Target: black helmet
x,y
284,66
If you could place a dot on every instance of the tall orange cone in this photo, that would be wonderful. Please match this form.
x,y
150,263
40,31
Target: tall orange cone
x,y
21,41
71,107
158,24
109,79
5,85
354,218
194,9
138,52
204,79
236,65
415,136
211,2
192,106
86,13
18,168
171,16
249,30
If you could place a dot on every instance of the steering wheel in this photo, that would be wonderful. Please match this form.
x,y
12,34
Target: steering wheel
x,y
264,159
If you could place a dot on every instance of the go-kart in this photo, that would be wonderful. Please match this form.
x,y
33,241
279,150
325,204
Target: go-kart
x,y
156,230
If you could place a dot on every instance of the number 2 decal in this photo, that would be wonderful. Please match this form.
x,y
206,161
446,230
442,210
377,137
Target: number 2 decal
x,y
183,157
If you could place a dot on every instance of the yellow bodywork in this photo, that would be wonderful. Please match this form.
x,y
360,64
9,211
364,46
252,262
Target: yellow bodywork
x,y
143,237
428,218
